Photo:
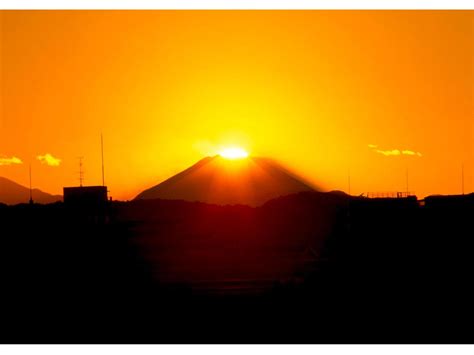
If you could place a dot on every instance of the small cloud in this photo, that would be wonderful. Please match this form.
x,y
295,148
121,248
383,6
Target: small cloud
x,y
49,160
393,152
388,152
411,152
10,161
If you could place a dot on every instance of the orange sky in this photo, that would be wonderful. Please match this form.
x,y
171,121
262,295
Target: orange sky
x,y
312,89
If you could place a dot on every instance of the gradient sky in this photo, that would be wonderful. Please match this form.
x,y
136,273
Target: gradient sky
x,y
322,92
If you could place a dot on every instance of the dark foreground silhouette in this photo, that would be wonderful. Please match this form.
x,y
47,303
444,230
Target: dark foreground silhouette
x,y
307,268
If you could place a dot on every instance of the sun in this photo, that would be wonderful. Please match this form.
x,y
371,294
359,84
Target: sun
x,y
233,153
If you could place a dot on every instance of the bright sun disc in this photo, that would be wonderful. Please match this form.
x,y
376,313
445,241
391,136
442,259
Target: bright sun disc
x,y
233,153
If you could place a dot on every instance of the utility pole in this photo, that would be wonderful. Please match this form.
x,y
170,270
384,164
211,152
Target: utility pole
x,y
462,178
81,172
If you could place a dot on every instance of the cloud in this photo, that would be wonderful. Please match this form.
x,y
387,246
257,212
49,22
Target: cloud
x,y
388,152
49,160
393,152
411,152
10,161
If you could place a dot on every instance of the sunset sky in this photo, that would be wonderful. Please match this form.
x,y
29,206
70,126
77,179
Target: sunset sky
x,y
324,93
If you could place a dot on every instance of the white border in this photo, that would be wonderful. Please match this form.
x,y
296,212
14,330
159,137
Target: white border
x,y
236,4
221,349
237,349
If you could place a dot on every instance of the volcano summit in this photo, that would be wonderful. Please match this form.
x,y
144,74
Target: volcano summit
x,y
250,181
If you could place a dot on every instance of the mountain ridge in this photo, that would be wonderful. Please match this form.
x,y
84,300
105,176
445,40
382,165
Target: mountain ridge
x,y
12,193
251,181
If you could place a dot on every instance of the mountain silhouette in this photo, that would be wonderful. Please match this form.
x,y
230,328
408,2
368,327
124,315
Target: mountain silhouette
x,y
252,181
12,193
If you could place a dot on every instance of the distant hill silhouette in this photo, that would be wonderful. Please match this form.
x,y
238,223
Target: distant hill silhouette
x,y
12,193
251,181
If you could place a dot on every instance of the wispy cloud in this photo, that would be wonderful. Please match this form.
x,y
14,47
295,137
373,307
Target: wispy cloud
x,y
393,152
10,161
49,160
411,152
388,152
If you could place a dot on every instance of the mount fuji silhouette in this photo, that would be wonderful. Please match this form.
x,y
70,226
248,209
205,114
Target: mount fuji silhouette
x,y
12,193
251,181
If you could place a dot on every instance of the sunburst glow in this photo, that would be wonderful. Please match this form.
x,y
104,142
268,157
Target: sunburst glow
x,y
233,153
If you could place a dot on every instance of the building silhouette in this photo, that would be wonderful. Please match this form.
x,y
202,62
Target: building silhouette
x,y
85,196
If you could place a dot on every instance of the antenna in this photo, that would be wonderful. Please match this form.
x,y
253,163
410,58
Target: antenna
x,y
349,180
31,190
102,153
407,180
81,172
